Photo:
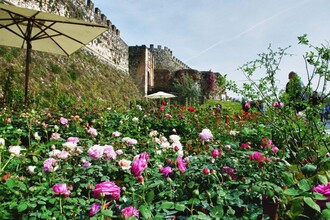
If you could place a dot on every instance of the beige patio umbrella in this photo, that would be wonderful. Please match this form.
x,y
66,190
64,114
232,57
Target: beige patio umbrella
x,y
160,95
41,31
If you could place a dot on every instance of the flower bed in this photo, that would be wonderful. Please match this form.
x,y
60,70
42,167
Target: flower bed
x,y
164,162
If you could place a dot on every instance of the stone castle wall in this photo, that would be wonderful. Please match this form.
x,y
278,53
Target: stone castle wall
x,y
165,60
108,47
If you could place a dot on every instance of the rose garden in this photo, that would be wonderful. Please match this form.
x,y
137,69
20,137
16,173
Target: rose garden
x,y
164,160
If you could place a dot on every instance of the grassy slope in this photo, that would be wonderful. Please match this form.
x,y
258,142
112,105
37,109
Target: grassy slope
x,y
53,79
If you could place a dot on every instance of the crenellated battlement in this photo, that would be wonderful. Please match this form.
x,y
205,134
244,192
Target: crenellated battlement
x,y
164,57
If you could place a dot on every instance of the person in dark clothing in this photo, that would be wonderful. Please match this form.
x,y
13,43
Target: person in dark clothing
x,y
294,88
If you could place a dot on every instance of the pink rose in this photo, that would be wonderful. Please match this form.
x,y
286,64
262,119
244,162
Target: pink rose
x,y
63,121
50,165
73,140
138,167
129,212
95,208
324,190
206,135
106,188
166,171
216,153
274,149
265,142
181,164
61,189
109,152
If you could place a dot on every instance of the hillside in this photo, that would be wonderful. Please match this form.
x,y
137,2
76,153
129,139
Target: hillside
x,y
56,80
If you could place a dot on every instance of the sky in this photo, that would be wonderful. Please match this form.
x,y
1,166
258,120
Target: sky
x,y
223,35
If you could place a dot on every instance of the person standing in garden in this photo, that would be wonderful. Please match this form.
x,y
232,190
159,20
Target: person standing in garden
x,y
295,91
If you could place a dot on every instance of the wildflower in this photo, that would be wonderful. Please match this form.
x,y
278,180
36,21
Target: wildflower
x,y
125,164
106,188
61,189
95,208
129,212
166,171
138,167
162,108
206,135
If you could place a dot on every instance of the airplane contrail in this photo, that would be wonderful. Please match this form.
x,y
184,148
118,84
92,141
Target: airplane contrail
x,y
247,30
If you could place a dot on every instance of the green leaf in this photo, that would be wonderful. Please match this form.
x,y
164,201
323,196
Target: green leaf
x,y
145,212
150,196
323,179
310,202
326,213
309,169
217,212
107,212
291,192
180,207
10,183
303,185
21,207
166,205
288,178
35,159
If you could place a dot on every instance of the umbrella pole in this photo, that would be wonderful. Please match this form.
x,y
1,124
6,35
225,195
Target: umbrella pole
x,y
27,70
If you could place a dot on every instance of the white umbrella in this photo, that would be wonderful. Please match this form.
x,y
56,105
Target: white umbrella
x,y
160,95
41,31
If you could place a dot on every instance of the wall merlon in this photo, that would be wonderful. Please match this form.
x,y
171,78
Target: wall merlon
x,y
104,18
97,12
109,23
90,5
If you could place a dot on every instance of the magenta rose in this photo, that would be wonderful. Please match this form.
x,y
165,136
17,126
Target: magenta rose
x,y
166,171
129,212
138,166
324,190
61,189
95,208
181,164
266,142
106,188
216,153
